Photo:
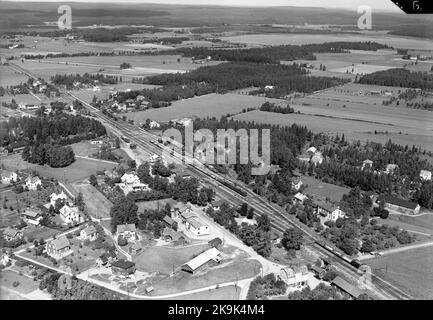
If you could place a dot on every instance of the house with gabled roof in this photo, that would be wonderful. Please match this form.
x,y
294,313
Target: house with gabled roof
x,y
10,234
127,231
196,264
89,233
32,217
8,176
32,183
70,214
58,248
58,196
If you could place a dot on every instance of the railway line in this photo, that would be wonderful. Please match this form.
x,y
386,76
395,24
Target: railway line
x,y
279,221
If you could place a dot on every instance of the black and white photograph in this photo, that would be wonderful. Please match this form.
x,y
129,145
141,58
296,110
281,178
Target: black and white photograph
x,y
218,155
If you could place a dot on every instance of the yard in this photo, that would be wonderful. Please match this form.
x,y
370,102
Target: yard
x,y
229,271
224,293
165,259
410,270
210,105
317,189
96,203
81,169
25,286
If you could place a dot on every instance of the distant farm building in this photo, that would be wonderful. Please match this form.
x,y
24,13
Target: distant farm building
x,y
209,256
400,205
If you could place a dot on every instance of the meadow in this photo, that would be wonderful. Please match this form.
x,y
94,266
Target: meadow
x,y
211,105
410,270
298,39
81,169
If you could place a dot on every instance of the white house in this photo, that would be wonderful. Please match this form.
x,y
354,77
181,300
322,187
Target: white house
x,y
153,124
32,217
197,227
127,231
89,233
57,196
366,164
8,176
425,175
311,150
32,183
329,211
300,198
70,214
130,178
294,276
4,260
297,184
390,168
317,158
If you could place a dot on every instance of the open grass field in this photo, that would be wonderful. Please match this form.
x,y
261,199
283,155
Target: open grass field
x,y
211,105
77,171
10,77
163,62
163,259
424,221
410,270
96,203
154,205
84,148
322,190
41,232
420,232
26,284
356,120
298,39
224,293
232,271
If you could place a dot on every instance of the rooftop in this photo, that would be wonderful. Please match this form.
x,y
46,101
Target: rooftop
x,y
123,264
61,242
203,258
346,286
399,202
126,227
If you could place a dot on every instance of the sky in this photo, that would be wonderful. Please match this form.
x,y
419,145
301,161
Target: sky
x,y
385,5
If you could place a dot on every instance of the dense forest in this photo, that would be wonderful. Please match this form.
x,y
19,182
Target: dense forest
x,y
275,54
45,137
237,75
399,77
87,79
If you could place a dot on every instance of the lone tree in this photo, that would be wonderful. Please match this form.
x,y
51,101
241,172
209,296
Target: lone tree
x,y
292,239
125,65
243,209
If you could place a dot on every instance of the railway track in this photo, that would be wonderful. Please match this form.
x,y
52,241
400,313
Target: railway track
x,y
280,222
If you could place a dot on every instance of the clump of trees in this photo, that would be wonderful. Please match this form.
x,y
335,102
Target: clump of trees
x,y
54,156
399,77
269,285
272,107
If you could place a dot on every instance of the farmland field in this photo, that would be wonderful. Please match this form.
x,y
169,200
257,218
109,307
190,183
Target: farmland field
x,y
410,270
163,259
163,62
211,105
231,271
77,171
298,39
97,204
224,293
26,284
10,77
332,112
318,189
